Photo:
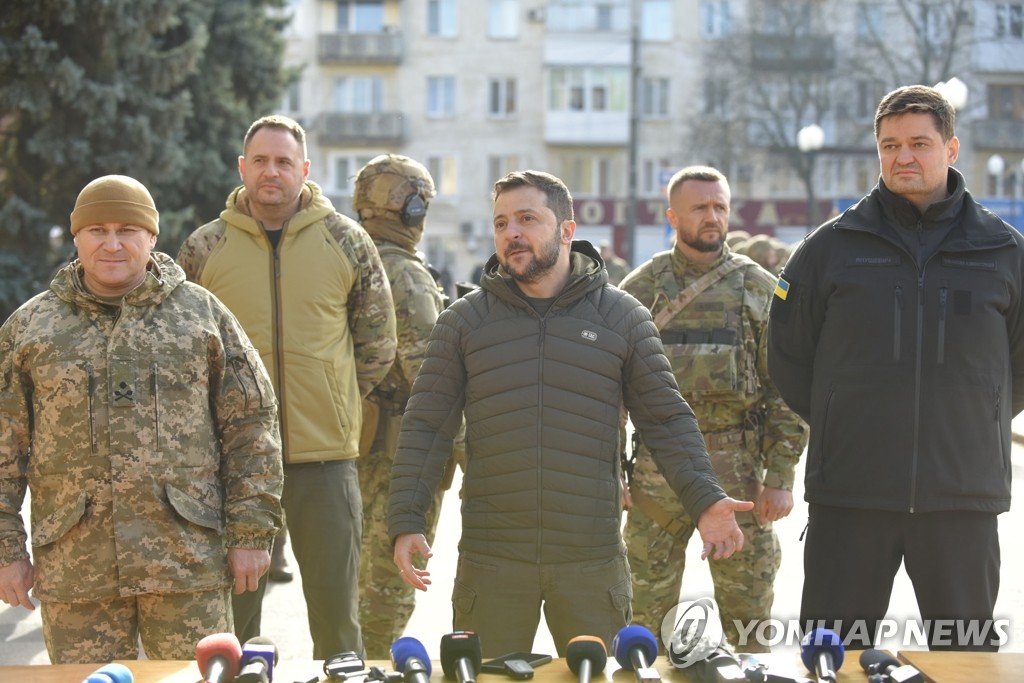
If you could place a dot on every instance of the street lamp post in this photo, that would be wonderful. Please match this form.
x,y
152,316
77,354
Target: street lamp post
x,y
809,140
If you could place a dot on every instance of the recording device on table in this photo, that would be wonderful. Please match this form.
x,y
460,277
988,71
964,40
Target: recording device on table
x,y
822,653
518,665
460,656
410,658
586,655
259,655
219,657
882,668
635,649
110,673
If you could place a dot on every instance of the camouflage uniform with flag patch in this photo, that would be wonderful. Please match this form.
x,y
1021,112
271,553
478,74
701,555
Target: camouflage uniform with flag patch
x,y
717,348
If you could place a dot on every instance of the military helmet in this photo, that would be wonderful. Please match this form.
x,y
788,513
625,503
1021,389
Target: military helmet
x,y
393,185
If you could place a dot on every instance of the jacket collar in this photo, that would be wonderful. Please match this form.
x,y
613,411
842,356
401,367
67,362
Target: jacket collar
x,y
314,206
163,275
882,212
586,273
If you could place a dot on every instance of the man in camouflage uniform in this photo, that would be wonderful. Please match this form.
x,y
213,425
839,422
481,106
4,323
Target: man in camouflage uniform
x,y
392,193
136,410
308,286
711,307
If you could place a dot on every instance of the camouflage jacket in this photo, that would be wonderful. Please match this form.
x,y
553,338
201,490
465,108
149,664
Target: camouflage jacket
x,y
318,308
146,433
418,301
718,349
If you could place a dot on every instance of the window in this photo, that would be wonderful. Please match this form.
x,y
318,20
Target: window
x,y
716,97
656,20
869,22
867,95
343,170
589,176
588,89
714,18
654,98
292,102
442,170
441,18
441,96
498,166
502,95
654,175
605,15
1006,102
503,19
358,94
360,16
1009,20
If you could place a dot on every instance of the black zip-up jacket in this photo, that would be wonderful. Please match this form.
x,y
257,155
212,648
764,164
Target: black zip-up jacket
x,y
541,396
908,374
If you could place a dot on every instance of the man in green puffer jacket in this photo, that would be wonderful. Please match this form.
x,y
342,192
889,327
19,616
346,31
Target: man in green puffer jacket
x,y
540,360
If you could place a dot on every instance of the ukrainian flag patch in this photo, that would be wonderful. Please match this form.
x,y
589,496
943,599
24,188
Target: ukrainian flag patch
x,y
782,289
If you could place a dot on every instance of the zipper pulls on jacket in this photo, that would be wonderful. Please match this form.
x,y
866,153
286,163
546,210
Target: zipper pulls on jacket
x,y
156,404
897,320
92,421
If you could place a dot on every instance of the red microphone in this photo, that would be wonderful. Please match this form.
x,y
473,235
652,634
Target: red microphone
x,y
219,657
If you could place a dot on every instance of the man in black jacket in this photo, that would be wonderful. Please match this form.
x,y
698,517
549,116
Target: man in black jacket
x,y
897,332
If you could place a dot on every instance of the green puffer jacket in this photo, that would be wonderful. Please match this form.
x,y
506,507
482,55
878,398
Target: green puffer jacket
x,y
146,432
542,397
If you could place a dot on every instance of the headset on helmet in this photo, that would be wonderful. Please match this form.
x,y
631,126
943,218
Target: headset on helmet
x,y
393,183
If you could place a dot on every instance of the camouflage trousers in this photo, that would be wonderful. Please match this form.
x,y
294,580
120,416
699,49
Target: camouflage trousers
x,y
386,602
744,583
169,626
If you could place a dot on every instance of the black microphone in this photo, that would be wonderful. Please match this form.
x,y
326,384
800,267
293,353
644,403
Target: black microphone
x,y
635,650
259,655
410,658
822,652
881,668
585,656
460,656
218,657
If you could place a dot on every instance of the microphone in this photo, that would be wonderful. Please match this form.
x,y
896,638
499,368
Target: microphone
x,y
259,655
635,650
110,673
881,668
219,657
822,652
410,658
460,656
585,656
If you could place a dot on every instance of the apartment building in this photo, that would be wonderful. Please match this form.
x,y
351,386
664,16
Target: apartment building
x,y
614,95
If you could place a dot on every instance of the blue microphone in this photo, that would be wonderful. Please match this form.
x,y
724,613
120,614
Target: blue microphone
x,y
410,658
110,673
822,652
635,649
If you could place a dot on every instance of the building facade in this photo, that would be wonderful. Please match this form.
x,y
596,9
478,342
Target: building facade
x,y
615,95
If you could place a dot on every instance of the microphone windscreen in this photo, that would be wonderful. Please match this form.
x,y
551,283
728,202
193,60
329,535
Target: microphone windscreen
x,y
632,637
262,644
872,657
821,640
111,673
460,645
586,647
404,648
224,645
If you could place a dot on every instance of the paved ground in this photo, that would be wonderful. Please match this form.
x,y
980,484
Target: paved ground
x,y
285,615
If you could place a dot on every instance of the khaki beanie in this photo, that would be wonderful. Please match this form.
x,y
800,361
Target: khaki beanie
x,y
115,199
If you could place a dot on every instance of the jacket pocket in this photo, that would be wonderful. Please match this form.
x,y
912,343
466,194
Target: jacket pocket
x,y
193,510
51,527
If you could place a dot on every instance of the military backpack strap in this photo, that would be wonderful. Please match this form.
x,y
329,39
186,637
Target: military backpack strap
x,y
655,512
675,306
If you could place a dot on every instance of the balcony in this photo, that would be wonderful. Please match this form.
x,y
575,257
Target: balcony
x,y
353,128
359,48
771,52
998,133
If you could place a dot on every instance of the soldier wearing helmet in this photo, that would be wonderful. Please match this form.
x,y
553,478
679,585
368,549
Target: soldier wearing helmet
x,y
392,194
